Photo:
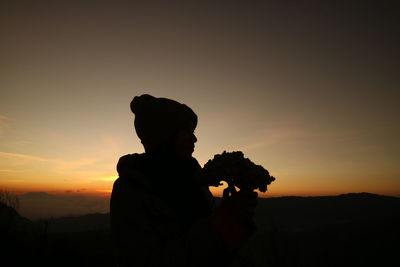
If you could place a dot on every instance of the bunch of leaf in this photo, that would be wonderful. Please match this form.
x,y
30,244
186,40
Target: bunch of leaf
x,y
237,171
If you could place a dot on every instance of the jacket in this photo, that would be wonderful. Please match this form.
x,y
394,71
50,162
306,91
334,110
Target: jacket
x,y
147,230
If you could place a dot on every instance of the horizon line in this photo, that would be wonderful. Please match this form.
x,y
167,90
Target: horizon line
x,y
106,195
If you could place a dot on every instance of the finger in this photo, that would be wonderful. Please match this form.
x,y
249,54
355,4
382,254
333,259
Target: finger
x,y
232,189
225,193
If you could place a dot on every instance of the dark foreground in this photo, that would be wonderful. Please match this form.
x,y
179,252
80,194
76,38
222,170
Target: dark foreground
x,y
346,230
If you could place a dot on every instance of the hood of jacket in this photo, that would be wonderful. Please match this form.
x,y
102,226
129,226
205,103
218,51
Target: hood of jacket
x,y
133,167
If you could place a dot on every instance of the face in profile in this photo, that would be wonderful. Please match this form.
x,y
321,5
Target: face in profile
x,y
185,140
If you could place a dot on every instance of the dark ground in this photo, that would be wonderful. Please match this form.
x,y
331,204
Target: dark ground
x,y
346,230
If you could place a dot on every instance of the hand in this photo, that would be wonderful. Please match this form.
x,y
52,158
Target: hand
x,y
234,217
241,205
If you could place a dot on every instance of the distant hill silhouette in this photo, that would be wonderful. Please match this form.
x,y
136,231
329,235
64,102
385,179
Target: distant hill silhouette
x,y
291,211
296,212
358,229
84,223
21,238
11,222
41,205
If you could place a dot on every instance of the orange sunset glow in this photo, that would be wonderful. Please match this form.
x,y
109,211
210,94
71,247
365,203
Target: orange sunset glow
x,y
317,106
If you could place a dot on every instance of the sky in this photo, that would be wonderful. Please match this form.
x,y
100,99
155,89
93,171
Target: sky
x,y
308,90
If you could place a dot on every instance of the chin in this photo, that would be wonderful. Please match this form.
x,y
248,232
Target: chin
x,y
185,154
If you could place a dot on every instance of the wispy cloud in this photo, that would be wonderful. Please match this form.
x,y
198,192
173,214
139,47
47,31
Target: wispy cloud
x,y
22,156
9,170
81,167
110,178
86,171
13,181
74,164
62,163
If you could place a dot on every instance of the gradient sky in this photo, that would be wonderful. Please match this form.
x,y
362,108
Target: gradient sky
x,y
309,91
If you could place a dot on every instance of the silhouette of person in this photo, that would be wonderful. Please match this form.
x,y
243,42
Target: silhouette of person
x,y
162,213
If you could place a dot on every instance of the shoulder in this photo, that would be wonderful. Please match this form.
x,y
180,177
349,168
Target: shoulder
x,y
130,161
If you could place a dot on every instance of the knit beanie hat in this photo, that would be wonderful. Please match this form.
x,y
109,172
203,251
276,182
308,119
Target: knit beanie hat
x,y
157,120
